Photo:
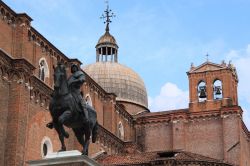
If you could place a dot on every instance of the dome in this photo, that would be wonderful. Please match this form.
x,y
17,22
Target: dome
x,y
120,80
107,38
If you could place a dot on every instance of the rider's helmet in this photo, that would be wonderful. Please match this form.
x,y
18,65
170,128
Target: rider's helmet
x,y
74,68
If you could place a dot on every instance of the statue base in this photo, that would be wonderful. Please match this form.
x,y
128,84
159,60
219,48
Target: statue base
x,y
67,158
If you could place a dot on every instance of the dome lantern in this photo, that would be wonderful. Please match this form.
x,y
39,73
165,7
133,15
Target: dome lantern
x,y
107,48
114,77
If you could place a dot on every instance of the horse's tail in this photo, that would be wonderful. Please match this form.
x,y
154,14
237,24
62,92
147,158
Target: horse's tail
x,y
94,132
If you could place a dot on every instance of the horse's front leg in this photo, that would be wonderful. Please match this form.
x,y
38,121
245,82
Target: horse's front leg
x,y
67,115
59,129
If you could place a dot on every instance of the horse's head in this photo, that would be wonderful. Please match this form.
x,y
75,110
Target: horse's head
x,y
60,78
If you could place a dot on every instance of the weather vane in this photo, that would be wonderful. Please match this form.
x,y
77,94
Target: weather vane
x,y
207,55
107,15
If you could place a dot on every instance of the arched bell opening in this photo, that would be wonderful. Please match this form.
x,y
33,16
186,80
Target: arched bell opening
x,y
217,89
202,91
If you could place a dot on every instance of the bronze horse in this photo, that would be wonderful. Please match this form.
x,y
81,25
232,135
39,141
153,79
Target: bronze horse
x,y
65,111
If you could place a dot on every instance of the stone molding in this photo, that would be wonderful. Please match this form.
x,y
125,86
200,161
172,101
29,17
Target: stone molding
x,y
186,116
109,140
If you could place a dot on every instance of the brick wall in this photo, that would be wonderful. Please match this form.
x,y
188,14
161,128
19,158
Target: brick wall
x,y
218,136
204,136
158,137
245,147
6,35
4,93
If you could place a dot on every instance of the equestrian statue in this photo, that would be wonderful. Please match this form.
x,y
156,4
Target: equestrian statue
x,y
68,108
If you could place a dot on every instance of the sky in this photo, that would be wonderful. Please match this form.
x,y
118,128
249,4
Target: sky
x,y
159,39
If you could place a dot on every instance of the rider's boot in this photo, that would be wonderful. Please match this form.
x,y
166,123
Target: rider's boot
x,y
86,114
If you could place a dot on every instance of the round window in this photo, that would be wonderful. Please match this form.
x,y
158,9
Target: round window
x,y
46,147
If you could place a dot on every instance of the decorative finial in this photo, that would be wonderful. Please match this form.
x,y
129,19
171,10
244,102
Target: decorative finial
x,y
192,64
207,55
223,63
107,15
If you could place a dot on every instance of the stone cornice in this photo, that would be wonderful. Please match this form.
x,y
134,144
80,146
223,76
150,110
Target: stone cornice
x,y
6,7
176,116
109,140
21,72
35,36
20,67
124,113
40,86
244,128
12,18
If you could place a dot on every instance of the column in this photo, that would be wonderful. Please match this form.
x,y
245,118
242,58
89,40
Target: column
x,y
106,57
112,54
102,53
97,55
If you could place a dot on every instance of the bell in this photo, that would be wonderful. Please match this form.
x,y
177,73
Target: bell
x,y
202,93
217,90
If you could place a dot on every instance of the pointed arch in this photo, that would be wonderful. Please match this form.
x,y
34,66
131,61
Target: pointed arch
x,y
120,130
43,69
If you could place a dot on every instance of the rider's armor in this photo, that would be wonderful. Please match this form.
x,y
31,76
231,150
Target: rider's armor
x,y
75,82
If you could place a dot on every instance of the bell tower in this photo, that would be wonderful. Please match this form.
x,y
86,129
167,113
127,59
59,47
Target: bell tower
x,y
212,86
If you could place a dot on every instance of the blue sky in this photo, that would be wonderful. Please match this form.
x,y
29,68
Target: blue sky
x,y
157,38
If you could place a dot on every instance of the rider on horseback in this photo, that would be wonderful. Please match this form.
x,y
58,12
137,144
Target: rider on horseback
x,y
75,82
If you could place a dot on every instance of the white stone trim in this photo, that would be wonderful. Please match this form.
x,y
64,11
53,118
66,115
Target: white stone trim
x,y
46,67
46,140
88,100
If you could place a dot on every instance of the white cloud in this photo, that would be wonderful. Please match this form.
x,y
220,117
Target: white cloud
x,y
246,117
170,97
241,60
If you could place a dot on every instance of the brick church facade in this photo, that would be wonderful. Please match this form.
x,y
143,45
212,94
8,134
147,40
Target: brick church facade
x,y
210,132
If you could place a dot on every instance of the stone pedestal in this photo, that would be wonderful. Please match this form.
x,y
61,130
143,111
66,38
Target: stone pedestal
x,y
68,158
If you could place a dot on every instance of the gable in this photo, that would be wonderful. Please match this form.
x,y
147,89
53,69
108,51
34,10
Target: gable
x,y
207,66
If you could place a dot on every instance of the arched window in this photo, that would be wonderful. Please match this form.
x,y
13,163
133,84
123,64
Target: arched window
x,y
120,131
88,100
202,91
43,69
217,86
